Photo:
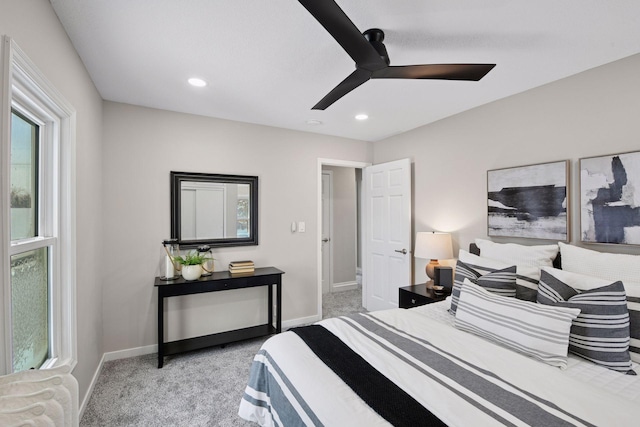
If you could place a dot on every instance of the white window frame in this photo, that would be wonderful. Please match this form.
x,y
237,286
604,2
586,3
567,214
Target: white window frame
x,y
24,88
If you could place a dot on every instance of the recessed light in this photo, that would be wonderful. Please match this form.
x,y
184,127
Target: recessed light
x,y
362,117
314,122
197,82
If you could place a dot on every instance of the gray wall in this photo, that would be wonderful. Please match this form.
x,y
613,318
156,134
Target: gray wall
x,y
593,113
35,27
141,147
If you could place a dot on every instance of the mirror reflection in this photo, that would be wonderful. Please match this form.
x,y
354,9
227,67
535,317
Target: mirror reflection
x,y
214,209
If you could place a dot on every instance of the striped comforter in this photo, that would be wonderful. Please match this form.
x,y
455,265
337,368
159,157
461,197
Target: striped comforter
x,y
460,379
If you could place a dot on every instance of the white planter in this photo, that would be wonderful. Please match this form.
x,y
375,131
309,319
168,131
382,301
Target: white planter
x,y
191,272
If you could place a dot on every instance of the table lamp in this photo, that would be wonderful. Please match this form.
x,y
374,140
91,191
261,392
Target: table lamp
x,y
433,246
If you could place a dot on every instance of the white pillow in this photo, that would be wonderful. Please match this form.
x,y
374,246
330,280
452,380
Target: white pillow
x,y
581,282
512,253
539,331
599,264
527,277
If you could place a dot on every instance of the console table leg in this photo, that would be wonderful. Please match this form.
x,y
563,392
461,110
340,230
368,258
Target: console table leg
x,y
270,305
160,330
279,306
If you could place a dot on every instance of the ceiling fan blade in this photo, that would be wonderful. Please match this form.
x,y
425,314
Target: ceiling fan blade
x,y
473,72
354,80
338,24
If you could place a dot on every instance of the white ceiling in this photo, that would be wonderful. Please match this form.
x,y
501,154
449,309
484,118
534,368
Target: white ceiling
x,y
268,61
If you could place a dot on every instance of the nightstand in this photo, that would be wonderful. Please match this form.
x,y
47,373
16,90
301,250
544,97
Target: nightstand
x,y
416,295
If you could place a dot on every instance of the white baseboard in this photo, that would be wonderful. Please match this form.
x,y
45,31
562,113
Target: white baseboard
x,y
92,385
288,324
344,286
131,352
150,349
107,357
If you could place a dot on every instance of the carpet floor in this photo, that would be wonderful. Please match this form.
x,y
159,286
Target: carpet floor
x,y
200,388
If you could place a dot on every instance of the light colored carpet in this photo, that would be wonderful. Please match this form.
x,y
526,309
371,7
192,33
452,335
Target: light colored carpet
x,y
341,303
200,388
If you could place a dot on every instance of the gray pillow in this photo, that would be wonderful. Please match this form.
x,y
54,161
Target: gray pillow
x,y
600,333
501,282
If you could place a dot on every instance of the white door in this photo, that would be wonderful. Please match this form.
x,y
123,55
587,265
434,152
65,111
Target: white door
x,y
387,233
326,231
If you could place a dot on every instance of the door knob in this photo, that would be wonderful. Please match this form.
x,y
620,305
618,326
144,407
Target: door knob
x,y
325,240
403,251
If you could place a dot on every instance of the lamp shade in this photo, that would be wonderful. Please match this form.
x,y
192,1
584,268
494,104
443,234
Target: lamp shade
x,y
432,245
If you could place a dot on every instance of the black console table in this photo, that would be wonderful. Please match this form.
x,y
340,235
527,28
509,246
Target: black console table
x,y
219,281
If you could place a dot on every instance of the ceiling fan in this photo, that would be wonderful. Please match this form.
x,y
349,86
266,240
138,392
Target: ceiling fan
x,y
371,58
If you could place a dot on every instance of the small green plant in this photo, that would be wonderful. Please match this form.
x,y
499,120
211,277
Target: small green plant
x,y
192,258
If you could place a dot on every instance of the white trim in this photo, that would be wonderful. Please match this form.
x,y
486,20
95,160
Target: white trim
x,y
293,323
25,87
329,245
151,349
130,352
5,233
92,386
31,245
107,357
326,162
344,286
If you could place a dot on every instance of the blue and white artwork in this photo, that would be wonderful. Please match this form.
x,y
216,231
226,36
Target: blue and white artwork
x,y
610,199
529,201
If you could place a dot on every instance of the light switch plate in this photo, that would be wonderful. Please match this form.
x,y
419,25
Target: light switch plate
x,y
301,227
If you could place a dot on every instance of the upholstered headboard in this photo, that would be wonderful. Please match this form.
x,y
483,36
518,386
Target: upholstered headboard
x,y
474,249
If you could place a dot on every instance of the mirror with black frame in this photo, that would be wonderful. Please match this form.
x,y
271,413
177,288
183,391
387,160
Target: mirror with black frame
x,y
214,209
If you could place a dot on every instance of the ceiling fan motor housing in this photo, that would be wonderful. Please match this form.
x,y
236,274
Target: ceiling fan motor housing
x,y
375,37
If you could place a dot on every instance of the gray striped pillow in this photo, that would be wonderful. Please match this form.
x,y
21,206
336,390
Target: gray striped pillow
x,y
611,267
539,331
601,332
501,282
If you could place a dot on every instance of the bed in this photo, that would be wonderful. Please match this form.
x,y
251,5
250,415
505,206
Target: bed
x,y
418,367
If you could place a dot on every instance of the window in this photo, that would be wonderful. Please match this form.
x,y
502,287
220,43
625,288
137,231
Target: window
x,y
242,227
37,233
25,144
30,269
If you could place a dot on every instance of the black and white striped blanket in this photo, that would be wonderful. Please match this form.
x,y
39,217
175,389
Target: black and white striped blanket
x,y
358,370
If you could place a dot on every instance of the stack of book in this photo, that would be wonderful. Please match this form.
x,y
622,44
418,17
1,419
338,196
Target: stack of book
x,y
241,267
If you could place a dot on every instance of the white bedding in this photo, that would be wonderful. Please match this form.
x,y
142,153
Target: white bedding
x,y
290,385
623,386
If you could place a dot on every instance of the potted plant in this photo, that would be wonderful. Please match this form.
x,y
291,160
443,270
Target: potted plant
x,y
191,265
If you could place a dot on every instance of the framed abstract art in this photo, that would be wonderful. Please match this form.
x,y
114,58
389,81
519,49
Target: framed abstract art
x,y
529,201
610,199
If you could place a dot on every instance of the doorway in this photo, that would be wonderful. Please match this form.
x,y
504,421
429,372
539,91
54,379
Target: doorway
x,y
339,240
340,225
328,239
385,240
